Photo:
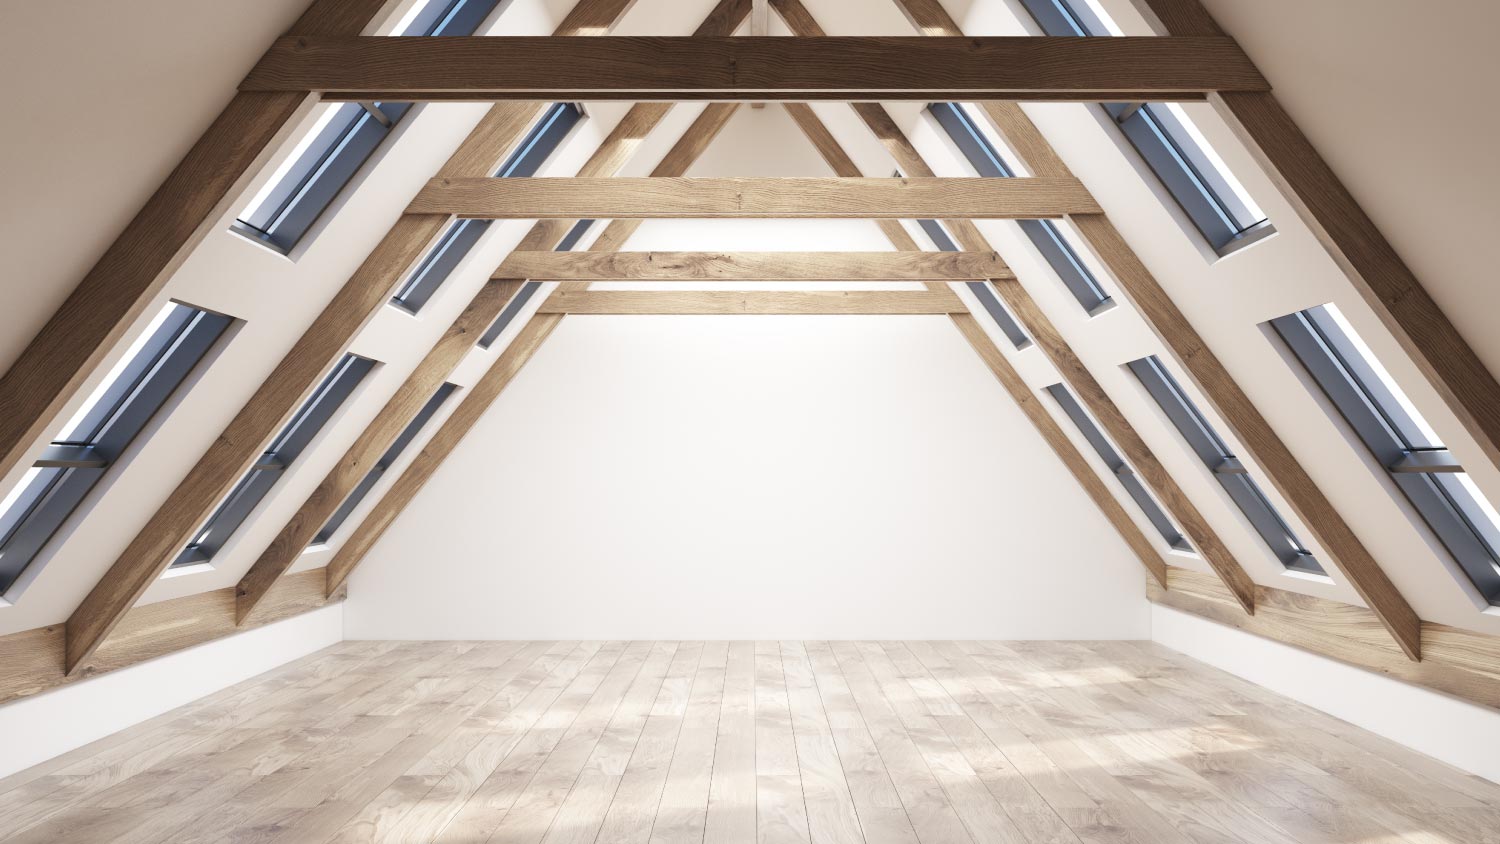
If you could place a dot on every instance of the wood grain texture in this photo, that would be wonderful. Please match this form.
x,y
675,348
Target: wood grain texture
x,y
299,371
756,302
135,267
655,197
752,266
1140,456
1380,275
839,743
622,142
476,401
1457,662
931,16
1055,437
361,457
33,659
838,159
1260,441
1188,349
751,69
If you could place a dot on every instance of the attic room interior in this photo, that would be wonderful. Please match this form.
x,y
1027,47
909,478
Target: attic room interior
x,y
749,421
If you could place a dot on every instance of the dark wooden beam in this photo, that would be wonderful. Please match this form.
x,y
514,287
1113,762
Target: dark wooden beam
x,y
653,198
753,266
756,69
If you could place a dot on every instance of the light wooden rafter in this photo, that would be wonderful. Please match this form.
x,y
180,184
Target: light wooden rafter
x,y
1393,292
655,197
132,271
321,345
675,162
1193,356
756,69
753,266
611,154
839,161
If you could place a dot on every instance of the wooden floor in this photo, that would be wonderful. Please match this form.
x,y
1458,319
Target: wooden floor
x,y
746,742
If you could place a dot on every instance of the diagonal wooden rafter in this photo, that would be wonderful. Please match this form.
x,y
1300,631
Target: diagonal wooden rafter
x,y
656,197
131,272
1083,384
833,153
1349,235
640,68
694,140
1193,356
611,154
321,345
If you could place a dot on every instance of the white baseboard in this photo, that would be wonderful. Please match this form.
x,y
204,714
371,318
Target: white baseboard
x,y
1462,734
37,728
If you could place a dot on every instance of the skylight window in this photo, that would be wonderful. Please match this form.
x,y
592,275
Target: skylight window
x,y
1226,468
984,156
342,140
1122,471
461,235
981,289
286,448
529,289
177,338
367,483
1401,441
1216,203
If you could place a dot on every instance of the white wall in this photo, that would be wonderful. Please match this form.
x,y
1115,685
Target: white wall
x,y
751,477
42,726
1461,734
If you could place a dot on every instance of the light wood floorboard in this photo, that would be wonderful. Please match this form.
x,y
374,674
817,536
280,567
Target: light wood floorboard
x,y
815,742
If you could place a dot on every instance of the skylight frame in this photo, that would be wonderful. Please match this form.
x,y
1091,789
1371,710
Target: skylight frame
x,y
294,439
1226,468
1400,441
1094,434
175,342
1214,201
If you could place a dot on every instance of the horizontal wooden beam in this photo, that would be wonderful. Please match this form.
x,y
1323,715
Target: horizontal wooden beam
x,y
1454,661
758,302
671,198
751,69
33,659
754,266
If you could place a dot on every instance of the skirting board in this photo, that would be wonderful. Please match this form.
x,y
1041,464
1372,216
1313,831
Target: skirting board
x,y
46,725
1459,733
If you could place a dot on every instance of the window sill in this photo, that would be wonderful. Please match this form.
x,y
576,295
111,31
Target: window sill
x,y
191,568
1257,233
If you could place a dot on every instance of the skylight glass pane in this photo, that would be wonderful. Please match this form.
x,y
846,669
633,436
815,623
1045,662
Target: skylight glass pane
x,y
1123,473
461,235
983,154
1213,199
1216,456
1400,440
289,444
110,419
